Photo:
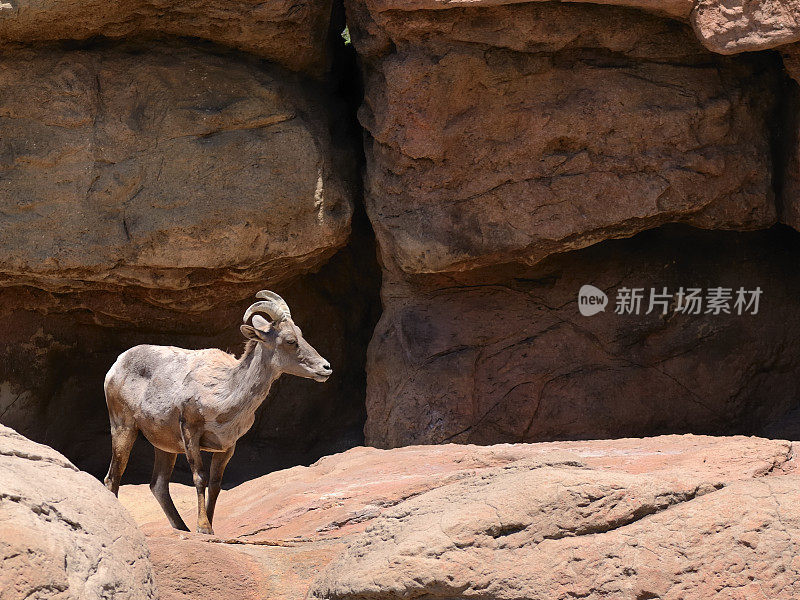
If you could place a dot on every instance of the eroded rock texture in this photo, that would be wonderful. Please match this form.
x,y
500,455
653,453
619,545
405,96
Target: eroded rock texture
x,y
502,137
505,355
746,25
159,168
293,34
63,536
529,531
509,133
663,517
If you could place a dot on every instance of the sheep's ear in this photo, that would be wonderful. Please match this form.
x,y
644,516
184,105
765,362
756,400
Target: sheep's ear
x,y
261,324
249,332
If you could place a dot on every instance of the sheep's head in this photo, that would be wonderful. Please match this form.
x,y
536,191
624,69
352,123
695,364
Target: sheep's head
x,y
291,353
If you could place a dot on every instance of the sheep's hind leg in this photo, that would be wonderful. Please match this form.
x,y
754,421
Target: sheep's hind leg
x,y
218,464
191,443
159,484
122,439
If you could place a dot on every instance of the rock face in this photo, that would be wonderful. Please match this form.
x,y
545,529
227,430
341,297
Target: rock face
x,y
506,355
293,34
62,534
615,517
145,168
146,194
160,162
510,133
501,138
746,25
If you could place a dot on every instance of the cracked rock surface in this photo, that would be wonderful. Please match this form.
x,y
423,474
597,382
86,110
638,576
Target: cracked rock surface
x,y
63,536
533,535
508,144
649,518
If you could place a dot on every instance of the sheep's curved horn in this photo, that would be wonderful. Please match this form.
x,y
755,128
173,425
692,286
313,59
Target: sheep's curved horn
x,y
268,295
270,308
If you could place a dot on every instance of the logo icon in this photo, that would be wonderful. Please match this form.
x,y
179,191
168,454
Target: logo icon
x,y
591,300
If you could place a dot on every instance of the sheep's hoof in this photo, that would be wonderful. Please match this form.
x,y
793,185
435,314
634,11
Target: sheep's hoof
x,y
206,530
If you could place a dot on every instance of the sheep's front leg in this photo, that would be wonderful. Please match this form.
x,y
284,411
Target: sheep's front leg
x,y
218,463
159,484
191,444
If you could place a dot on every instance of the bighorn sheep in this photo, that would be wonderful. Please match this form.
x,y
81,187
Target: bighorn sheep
x,y
188,401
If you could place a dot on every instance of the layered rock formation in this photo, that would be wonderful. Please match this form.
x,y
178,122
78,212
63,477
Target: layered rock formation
x,y
502,134
63,536
161,163
661,517
55,355
724,27
293,34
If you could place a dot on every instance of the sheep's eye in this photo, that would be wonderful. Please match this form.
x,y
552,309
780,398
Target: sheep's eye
x,y
292,342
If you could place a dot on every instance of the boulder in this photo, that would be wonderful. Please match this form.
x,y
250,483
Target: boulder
x,y
292,34
505,355
510,133
550,533
63,536
162,169
746,25
443,521
194,569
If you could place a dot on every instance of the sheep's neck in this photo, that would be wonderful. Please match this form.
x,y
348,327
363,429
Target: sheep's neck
x,y
251,379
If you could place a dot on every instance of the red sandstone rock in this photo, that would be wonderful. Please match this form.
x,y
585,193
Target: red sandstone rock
x,y
557,503
678,9
63,536
151,168
147,191
545,534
